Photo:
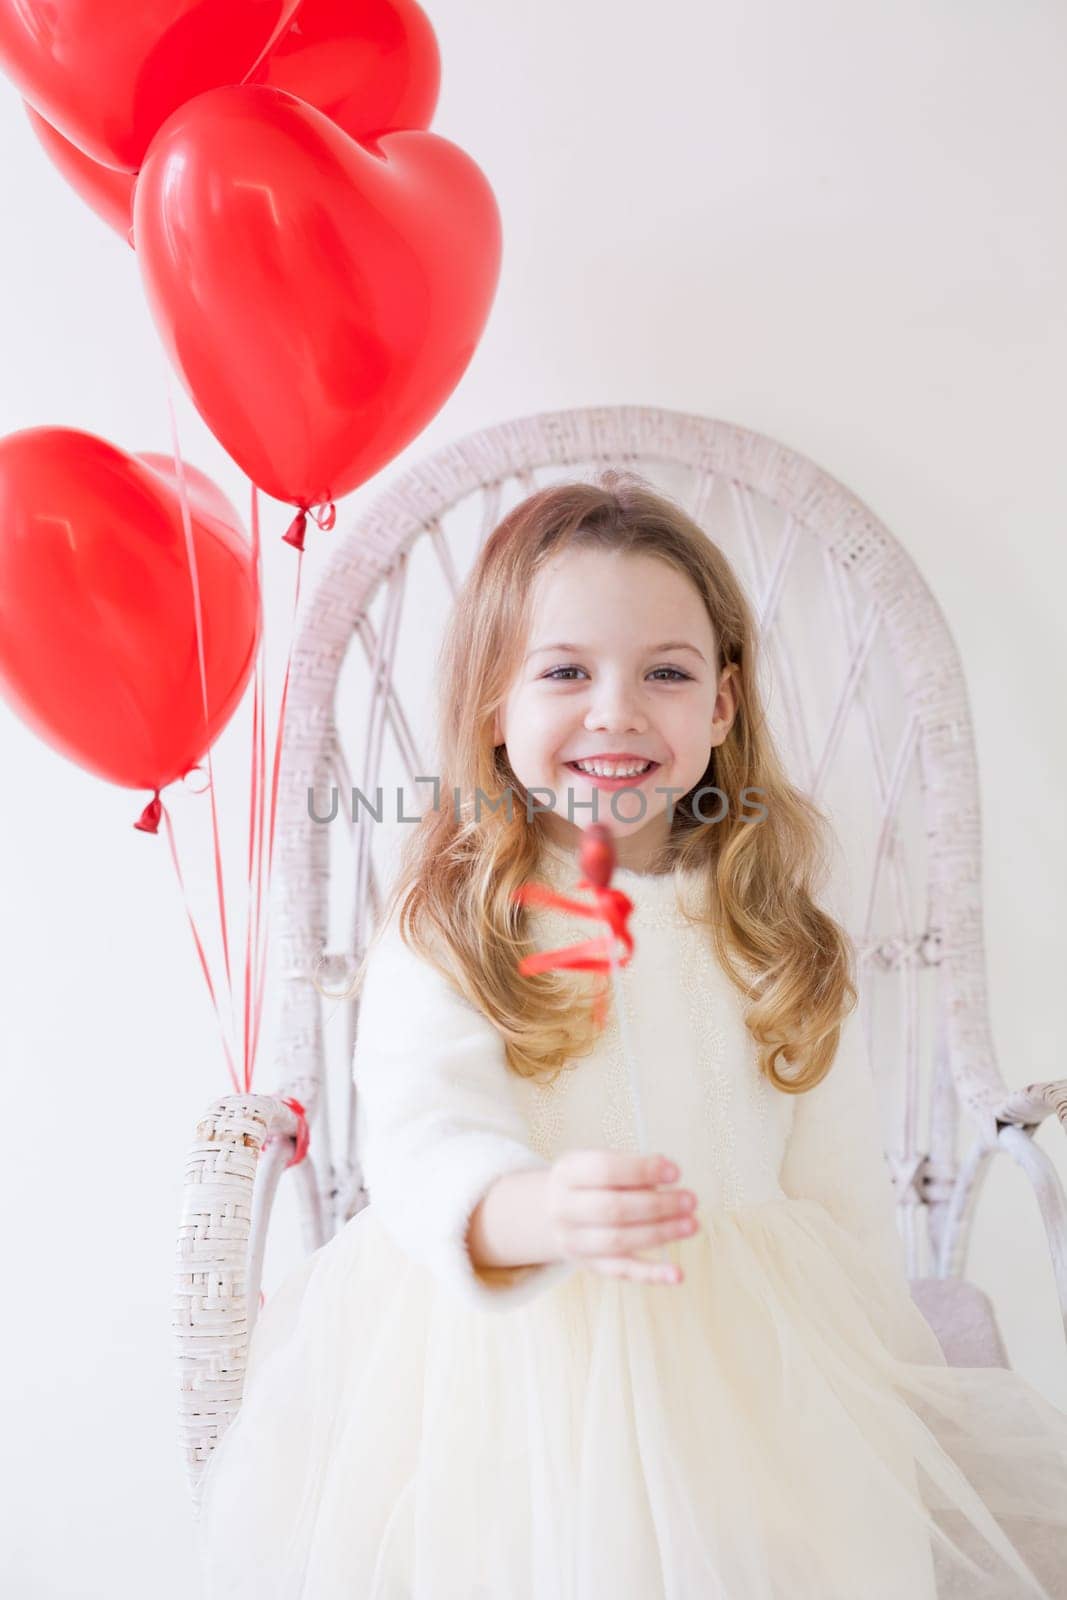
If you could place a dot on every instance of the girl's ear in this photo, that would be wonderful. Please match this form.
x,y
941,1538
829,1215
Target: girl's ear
x,y
726,703
498,734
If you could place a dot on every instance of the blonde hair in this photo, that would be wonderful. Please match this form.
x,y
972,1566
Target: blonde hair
x,y
460,863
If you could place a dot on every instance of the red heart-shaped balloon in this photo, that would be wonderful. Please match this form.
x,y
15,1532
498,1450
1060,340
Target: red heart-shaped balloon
x,y
107,73
320,298
108,191
204,495
98,649
370,68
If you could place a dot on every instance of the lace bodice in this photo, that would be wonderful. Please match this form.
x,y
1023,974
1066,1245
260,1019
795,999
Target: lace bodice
x,y
705,1104
441,1115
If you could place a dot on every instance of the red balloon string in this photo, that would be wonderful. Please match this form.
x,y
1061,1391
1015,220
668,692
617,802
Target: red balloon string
x,y
255,811
183,495
261,829
592,955
252,876
261,834
264,880
148,822
197,940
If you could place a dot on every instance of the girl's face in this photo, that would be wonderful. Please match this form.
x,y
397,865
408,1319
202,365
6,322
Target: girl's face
x,y
620,663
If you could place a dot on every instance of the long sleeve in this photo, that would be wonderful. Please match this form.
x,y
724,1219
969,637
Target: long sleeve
x,y
835,1154
438,1121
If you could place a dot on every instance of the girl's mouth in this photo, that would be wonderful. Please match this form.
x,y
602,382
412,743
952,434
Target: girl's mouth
x,y
631,780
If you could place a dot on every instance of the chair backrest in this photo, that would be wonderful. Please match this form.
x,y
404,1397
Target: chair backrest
x,y
865,695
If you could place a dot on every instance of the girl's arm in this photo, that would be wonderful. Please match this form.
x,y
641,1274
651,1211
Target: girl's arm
x,y
438,1121
835,1155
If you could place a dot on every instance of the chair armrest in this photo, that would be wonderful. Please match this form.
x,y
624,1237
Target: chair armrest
x,y
1018,1142
1025,1107
1007,1120
221,1236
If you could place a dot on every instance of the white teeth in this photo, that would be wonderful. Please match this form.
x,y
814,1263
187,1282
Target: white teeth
x,y
612,769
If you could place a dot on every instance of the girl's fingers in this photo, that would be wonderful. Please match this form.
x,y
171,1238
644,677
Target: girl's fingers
x,y
621,1238
607,1206
638,1271
617,1207
615,1169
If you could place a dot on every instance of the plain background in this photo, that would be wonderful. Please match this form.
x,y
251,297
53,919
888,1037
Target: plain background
x,y
838,224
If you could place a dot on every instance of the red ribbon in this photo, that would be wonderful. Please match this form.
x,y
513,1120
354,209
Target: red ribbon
x,y
192,923
591,955
303,1136
261,836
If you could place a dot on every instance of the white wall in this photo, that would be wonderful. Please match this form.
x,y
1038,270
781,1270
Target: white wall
x,y
838,224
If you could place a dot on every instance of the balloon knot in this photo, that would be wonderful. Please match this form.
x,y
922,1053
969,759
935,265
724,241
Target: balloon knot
x,y
295,535
148,821
326,516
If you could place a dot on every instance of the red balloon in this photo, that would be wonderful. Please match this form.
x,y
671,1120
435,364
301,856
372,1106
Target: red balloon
x,y
320,298
98,646
204,496
108,73
110,193
370,67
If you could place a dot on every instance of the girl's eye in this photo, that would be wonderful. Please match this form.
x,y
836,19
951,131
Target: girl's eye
x,y
677,671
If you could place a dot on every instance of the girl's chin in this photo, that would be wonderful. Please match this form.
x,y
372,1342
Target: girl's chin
x,y
620,815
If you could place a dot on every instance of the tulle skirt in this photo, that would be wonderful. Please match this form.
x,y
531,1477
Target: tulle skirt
x,y
780,1426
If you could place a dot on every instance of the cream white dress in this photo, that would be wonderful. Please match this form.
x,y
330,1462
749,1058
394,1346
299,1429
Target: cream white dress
x,y
782,1425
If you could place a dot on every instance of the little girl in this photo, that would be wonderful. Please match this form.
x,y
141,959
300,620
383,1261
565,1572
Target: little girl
x,y
582,1346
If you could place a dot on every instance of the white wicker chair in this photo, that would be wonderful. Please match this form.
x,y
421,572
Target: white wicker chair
x,y
869,704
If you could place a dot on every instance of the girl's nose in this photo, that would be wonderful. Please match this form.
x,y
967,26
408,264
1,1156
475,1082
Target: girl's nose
x,y
616,710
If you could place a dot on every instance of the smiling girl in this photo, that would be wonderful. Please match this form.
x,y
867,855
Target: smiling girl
x,y
644,671
486,1385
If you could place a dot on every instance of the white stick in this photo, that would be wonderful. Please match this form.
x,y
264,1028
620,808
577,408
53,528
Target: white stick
x,y
631,1064
659,1251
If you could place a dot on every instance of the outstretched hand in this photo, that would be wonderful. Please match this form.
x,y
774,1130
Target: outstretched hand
x,y
606,1205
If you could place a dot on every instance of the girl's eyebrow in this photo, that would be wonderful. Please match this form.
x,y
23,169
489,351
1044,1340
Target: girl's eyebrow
x,y
677,644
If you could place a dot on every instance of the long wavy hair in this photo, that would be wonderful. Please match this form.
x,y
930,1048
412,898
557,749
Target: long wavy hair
x,y
459,864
